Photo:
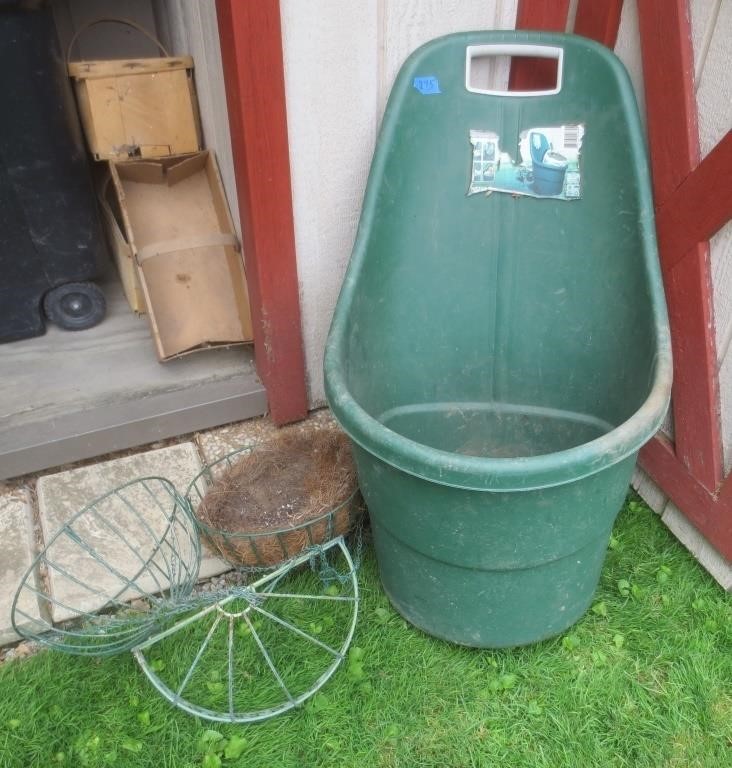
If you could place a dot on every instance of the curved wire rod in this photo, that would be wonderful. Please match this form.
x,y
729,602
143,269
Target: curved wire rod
x,y
200,653
269,661
296,630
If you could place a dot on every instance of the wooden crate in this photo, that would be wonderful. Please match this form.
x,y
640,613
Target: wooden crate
x,y
175,245
137,107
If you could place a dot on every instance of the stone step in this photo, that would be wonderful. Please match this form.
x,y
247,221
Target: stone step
x,y
17,551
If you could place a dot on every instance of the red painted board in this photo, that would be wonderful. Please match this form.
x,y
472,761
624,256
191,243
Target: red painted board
x,y
599,20
697,431
699,207
666,49
710,515
251,53
546,15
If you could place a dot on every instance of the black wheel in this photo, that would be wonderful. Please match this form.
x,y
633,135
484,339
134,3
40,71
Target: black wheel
x,y
75,306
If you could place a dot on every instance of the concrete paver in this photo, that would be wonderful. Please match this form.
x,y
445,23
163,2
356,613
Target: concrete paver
x,y
121,530
16,555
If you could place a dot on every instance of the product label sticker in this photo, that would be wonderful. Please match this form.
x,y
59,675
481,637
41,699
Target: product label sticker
x,y
547,163
426,85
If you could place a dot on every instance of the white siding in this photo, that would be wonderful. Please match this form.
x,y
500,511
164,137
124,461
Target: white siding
x,y
105,41
341,58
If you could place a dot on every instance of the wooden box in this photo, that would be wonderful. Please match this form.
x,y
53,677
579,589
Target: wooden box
x,y
177,252
137,107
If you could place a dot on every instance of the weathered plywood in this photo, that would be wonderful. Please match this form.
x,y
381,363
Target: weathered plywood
x,y
719,568
649,491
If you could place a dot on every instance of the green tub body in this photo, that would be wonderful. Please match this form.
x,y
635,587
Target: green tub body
x,y
498,361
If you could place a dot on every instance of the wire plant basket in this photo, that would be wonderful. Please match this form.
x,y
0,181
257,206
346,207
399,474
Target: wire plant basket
x,y
261,550
121,575
105,578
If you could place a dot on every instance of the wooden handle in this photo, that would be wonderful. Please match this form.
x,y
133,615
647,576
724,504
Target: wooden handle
x,y
113,20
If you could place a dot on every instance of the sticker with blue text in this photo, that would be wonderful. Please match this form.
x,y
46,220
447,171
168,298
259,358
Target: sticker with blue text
x,y
426,85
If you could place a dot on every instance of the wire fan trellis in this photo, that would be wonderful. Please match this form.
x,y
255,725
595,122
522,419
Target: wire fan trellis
x,y
110,571
121,575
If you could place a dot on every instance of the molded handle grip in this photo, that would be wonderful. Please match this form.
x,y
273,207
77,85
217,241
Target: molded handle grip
x,y
514,49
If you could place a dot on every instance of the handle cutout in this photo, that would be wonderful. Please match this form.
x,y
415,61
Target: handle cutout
x,y
488,67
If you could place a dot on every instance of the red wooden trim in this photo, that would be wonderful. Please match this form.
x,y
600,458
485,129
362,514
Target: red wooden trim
x,y
673,137
251,53
699,207
599,20
697,431
668,74
711,515
546,15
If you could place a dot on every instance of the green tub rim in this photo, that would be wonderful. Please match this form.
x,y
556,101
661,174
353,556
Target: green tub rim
x,y
503,474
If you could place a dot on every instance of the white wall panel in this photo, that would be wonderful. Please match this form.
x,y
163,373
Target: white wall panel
x,y
714,78
331,70
341,58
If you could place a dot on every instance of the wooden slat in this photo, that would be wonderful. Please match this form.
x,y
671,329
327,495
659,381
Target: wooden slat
x,y
251,52
700,206
546,15
85,70
668,74
673,137
599,20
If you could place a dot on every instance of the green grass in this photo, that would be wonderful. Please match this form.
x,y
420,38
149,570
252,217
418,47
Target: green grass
x,y
645,679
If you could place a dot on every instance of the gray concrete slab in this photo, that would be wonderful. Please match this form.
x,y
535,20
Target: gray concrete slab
x,y
16,554
122,530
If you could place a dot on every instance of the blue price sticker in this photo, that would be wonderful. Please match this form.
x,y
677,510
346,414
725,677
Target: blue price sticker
x,y
426,85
